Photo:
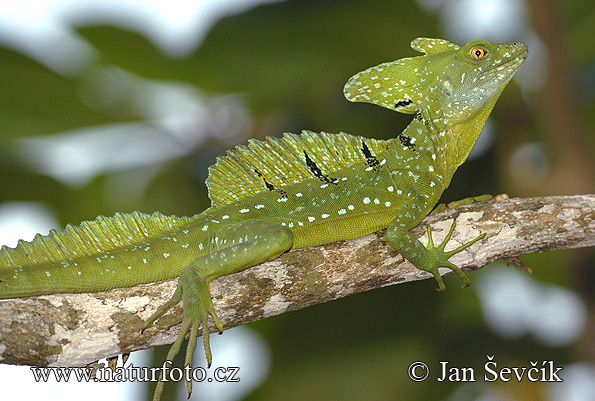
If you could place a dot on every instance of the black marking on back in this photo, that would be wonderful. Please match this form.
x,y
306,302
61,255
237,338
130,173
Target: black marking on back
x,y
270,186
402,103
317,172
420,118
371,160
406,141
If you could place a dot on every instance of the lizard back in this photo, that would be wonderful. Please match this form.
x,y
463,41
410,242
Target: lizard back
x,y
270,165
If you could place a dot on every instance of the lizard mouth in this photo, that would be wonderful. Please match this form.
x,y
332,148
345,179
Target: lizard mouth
x,y
510,62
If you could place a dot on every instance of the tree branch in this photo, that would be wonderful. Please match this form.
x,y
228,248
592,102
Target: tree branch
x,y
77,329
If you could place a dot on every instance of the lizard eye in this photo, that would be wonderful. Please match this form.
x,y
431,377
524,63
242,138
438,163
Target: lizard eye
x,y
478,53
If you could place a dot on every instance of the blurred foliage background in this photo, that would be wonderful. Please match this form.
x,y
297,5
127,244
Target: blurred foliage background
x,y
108,116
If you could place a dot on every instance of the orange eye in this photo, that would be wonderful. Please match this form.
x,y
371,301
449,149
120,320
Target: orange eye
x,y
478,53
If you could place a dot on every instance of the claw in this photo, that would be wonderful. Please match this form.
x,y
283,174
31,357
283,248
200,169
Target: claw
x,y
438,277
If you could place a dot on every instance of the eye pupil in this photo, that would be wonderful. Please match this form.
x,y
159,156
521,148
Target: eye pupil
x,y
478,53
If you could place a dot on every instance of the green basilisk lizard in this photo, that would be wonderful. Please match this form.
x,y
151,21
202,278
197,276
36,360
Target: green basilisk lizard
x,y
296,191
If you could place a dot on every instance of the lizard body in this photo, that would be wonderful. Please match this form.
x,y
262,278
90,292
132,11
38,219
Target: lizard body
x,y
296,191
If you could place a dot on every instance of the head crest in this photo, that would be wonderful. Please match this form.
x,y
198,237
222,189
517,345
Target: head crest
x,y
397,85
433,46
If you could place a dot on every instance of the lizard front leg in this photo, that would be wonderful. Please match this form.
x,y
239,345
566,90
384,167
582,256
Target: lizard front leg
x,y
428,258
248,244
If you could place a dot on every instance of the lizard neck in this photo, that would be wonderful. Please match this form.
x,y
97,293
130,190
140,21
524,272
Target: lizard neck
x,y
439,139
455,138
467,133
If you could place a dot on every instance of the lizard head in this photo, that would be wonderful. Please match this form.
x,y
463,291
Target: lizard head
x,y
474,77
448,85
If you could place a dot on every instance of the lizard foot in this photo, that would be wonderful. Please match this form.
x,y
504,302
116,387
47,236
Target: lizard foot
x,y
198,306
438,257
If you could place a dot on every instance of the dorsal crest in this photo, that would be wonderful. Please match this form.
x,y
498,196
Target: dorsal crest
x,y
98,236
275,163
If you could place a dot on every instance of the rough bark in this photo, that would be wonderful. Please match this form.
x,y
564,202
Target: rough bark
x,y
78,329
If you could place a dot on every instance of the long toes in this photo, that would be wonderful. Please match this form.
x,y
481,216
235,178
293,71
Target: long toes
x,y
206,339
217,321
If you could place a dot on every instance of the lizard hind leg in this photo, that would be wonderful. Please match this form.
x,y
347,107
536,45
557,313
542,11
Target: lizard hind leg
x,y
250,243
467,201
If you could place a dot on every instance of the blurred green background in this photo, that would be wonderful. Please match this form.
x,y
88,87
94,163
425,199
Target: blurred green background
x,y
112,112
